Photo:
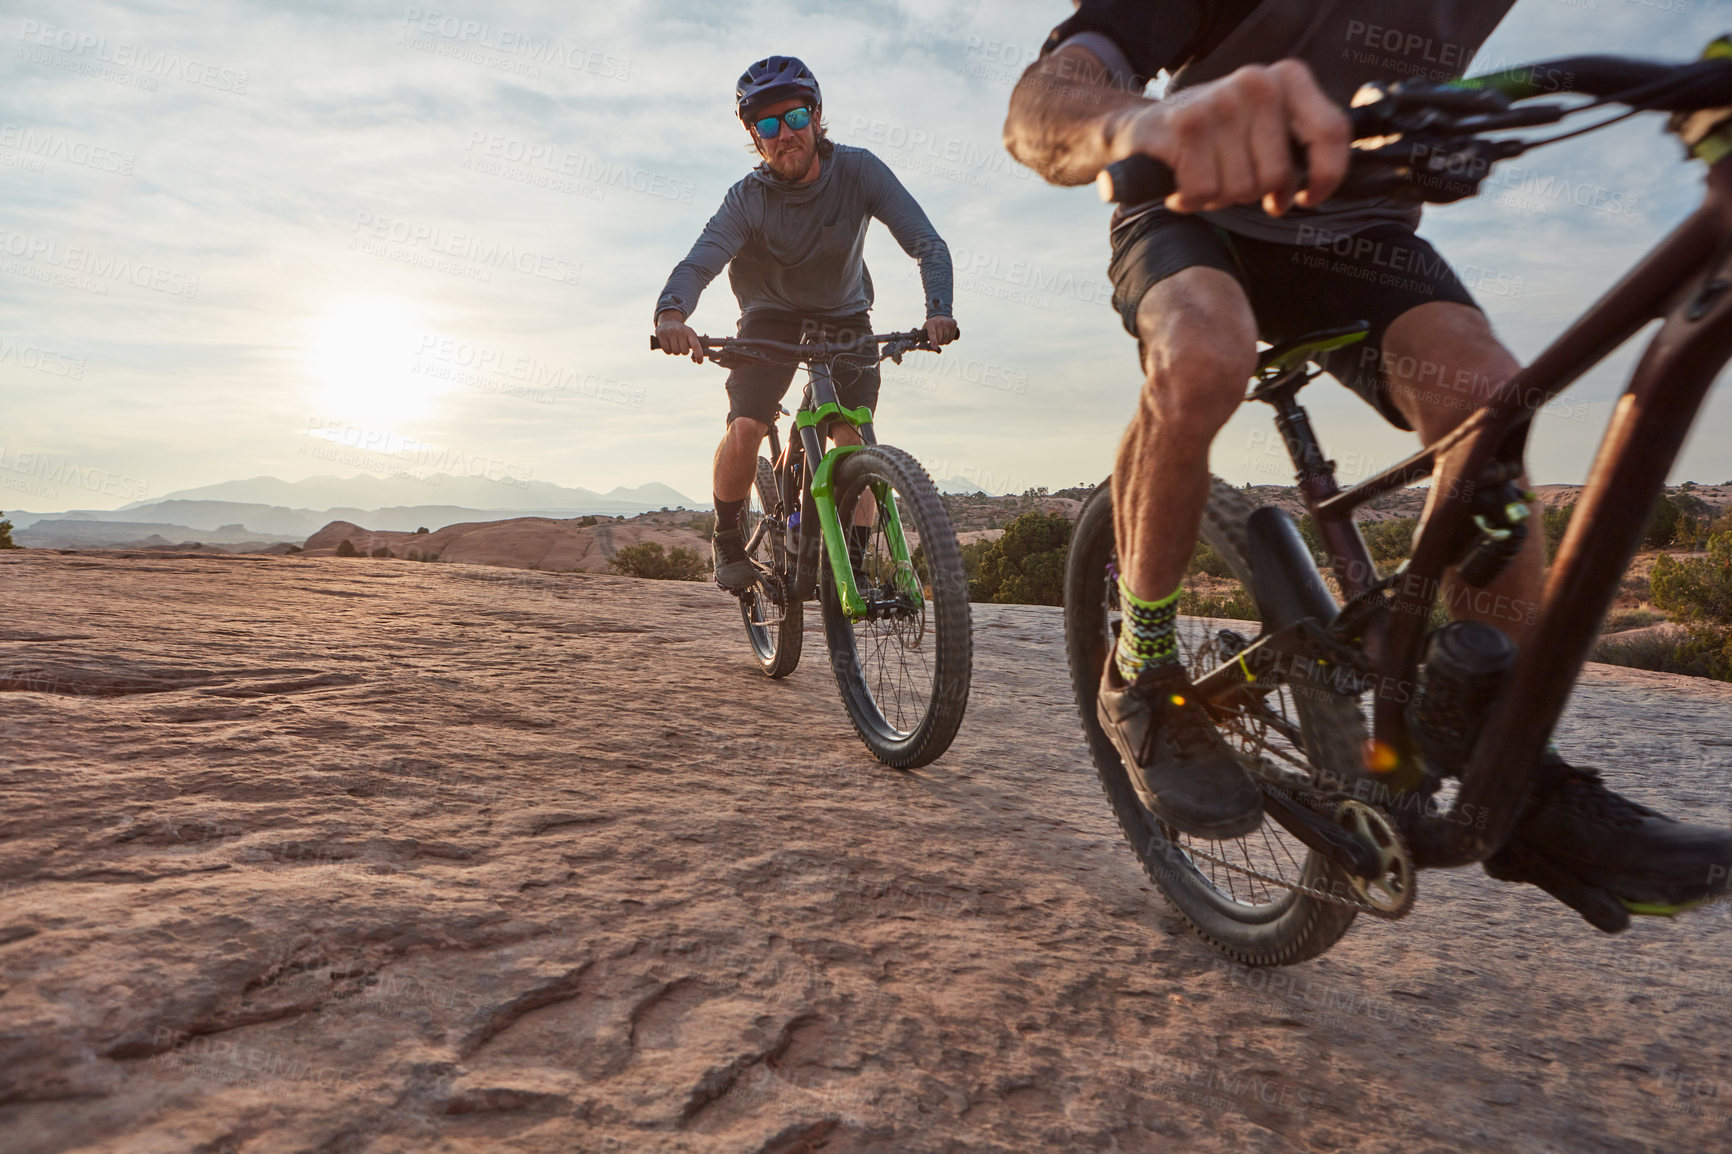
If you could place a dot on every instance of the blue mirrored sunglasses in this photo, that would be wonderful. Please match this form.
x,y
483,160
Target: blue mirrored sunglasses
x,y
795,118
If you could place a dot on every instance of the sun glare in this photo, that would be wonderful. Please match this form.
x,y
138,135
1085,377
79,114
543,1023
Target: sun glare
x,y
363,356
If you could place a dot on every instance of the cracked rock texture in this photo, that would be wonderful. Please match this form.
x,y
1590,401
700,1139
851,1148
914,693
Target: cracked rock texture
x,y
318,855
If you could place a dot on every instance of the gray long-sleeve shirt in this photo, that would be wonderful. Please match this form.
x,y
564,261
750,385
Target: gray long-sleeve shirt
x,y
800,247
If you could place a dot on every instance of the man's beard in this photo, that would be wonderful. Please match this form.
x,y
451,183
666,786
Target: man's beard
x,y
795,167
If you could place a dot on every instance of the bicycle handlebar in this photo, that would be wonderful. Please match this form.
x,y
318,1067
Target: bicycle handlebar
x,y
743,349
1428,145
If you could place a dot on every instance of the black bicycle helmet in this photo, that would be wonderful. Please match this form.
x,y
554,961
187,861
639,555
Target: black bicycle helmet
x,y
771,79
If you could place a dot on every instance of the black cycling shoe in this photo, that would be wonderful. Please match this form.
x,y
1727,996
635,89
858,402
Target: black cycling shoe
x,y
1607,857
734,570
1181,765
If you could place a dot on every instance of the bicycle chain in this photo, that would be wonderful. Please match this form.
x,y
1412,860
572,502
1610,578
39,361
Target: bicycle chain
x,y
1322,895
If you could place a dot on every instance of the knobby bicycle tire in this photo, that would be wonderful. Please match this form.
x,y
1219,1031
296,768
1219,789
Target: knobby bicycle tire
x,y
904,679
1289,926
776,646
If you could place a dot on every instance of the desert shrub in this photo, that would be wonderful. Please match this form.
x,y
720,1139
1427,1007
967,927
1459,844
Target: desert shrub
x,y
381,552
1680,520
1235,603
1619,620
586,522
6,541
1698,588
346,548
651,561
421,530
1553,522
292,549
1699,651
1026,565
973,554
1390,542
1206,559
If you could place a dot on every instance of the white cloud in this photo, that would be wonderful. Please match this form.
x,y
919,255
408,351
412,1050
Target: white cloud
x,y
517,181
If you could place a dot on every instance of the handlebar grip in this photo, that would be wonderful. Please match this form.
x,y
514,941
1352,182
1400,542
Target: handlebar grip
x,y
655,343
1136,179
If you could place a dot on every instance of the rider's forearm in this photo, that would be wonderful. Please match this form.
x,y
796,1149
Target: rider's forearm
x,y
1066,115
892,203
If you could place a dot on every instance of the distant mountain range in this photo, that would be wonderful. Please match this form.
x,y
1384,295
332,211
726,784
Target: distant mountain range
x,y
271,509
266,508
368,492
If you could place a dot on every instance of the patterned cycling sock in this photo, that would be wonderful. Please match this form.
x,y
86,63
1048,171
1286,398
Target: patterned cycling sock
x,y
728,514
1146,635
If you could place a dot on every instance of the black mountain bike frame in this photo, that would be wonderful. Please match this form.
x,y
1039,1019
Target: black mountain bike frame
x,y
1684,282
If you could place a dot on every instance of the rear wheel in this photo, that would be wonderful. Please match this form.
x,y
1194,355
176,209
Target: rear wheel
x,y
904,669
1231,892
772,615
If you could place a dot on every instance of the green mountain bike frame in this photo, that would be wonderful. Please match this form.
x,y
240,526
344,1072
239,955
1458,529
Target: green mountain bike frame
x,y
819,408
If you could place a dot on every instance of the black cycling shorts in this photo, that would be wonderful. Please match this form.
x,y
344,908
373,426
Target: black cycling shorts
x,y
1334,280
756,391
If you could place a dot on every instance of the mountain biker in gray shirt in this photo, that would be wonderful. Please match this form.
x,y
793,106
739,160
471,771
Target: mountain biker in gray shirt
x,y
1247,248
792,234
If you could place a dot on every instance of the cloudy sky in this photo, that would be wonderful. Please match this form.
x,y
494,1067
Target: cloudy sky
x,y
347,238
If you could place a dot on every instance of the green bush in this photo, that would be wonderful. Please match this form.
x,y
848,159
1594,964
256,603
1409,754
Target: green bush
x,y
6,541
1701,651
1553,522
1698,587
381,551
1662,528
1235,603
651,561
1206,559
1390,542
1619,620
347,549
1026,565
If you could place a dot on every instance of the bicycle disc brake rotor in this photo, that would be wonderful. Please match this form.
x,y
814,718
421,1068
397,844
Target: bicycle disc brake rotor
x,y
767,605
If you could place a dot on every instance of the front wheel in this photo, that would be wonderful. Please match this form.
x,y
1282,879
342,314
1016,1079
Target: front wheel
x,y
904,668
1264,899
772,615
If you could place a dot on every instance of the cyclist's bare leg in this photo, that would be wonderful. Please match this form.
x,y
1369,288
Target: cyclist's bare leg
x,y
1443,361
737,458
1199,348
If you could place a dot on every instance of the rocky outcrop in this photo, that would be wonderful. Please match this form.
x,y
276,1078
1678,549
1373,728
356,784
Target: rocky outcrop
x,y
543,543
